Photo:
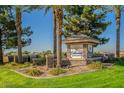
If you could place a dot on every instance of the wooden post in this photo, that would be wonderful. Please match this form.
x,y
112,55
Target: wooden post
x,y
14,59
85,53
46,62
86,59
68,51
92,51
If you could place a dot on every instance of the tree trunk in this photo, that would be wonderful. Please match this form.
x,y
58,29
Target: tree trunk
x,y
59,15
117,36
1,51
54,37
19,33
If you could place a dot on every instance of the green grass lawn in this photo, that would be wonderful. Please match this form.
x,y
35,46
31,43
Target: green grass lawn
x,y
113,77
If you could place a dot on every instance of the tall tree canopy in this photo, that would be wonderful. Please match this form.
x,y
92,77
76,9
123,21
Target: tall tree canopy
x,y
26,30
118,13
21,32
7,26
118,10
88,20
8,33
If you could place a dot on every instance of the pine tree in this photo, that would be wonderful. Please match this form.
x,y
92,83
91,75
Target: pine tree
x,y
7,26
88,20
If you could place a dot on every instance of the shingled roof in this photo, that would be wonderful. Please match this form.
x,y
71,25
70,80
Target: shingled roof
x,y
80,39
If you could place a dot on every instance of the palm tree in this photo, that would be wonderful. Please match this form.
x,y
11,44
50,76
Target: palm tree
x,y
54,28
117,10
54,33
22,43
19,32
59,21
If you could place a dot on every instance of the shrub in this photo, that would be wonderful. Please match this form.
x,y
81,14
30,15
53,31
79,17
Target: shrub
x,y
97,54
65,63
39,61
26,64
34,72
56,71
11,65
110,60
14,64
122,58
119,61
95,65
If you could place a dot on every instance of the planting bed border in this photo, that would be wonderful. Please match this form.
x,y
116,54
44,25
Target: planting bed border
x,y
60,75
40,77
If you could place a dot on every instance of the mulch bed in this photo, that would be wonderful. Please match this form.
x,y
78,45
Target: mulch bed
x,y
69,71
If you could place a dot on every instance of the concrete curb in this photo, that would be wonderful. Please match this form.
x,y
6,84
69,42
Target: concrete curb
x,y
49,76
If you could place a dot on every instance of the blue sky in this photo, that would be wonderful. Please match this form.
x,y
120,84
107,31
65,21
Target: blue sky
x,y
111,33
42,27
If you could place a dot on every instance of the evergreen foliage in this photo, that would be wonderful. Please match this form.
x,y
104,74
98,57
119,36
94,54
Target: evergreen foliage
x,y
7,25
88,20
